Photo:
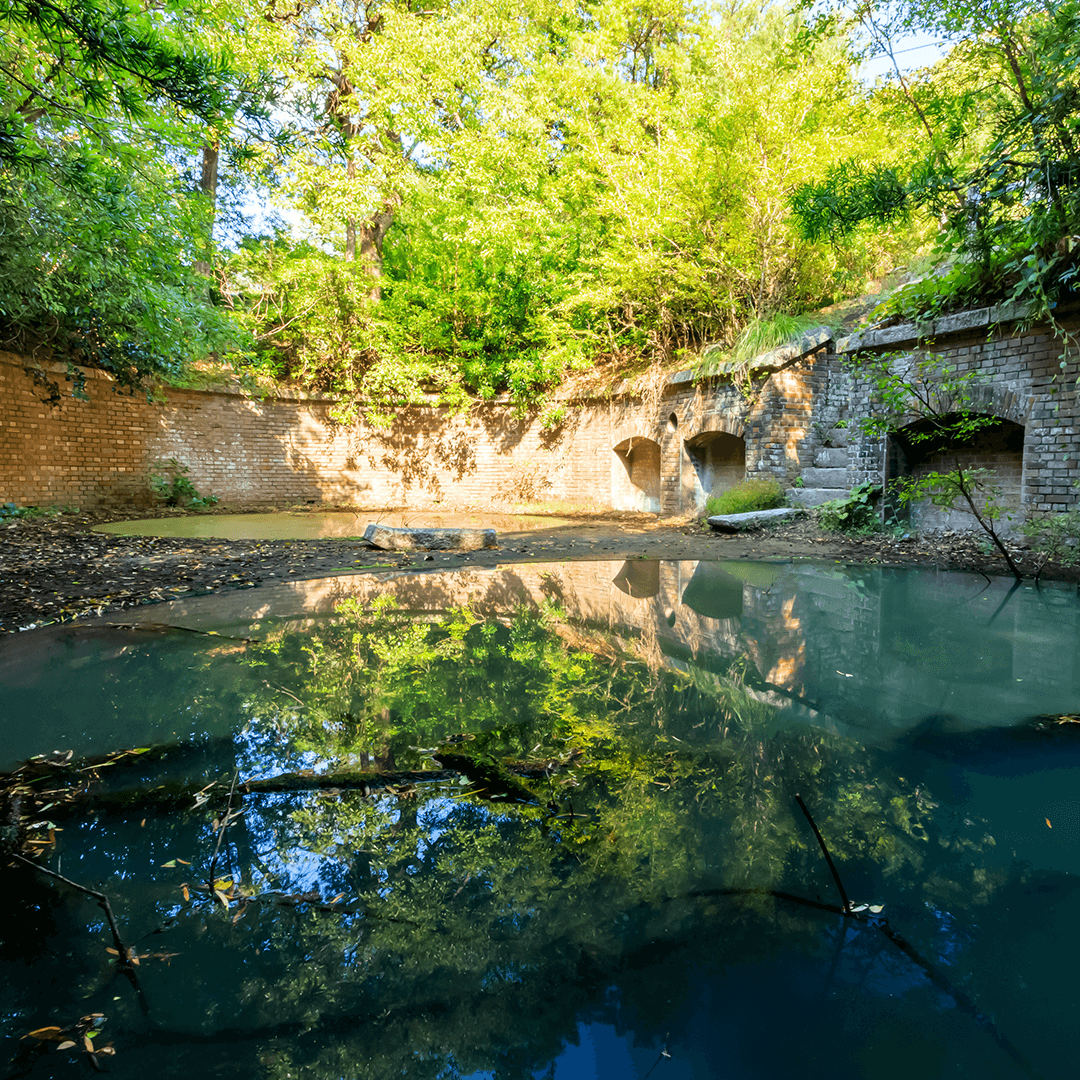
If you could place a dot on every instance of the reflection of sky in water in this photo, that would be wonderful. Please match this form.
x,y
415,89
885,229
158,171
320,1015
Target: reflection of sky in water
x,y
853,663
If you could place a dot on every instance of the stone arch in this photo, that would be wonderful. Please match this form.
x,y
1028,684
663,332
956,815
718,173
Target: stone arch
x,y
717,462
635,474
998,448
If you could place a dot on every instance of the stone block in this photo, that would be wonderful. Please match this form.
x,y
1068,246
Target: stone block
x,y
831,457
827,478
389,539
733,523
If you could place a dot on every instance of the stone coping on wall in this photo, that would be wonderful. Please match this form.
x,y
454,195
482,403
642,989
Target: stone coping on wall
x,y
771,361
910,333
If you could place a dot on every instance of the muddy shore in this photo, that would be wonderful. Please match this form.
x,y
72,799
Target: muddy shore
x,y
57,569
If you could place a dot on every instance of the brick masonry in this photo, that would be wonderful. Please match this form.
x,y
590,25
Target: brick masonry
x,y
665,453
287,449
1025,377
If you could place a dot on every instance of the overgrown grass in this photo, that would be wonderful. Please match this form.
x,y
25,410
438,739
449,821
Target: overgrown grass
x,y
758,336
745,497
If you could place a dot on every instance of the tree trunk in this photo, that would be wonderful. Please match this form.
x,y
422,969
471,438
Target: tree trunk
x,y
208,181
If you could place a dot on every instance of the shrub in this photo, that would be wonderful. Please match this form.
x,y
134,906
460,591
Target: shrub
x,y
747,496
170,484
853,513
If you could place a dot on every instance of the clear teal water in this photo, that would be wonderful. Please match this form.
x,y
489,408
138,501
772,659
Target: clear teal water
x,y
641,897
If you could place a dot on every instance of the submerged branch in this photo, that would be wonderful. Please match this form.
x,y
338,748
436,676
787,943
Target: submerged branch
x,y
496,781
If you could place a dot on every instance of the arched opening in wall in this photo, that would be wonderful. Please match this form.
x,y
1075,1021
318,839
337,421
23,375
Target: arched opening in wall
x,y
639,579
998,448
719,462
635,475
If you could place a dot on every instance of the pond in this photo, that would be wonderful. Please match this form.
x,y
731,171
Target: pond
x,y
544,821
318,524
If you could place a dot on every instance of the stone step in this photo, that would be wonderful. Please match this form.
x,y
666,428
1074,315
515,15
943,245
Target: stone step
x,y
831,457
806,496
840,436
827,478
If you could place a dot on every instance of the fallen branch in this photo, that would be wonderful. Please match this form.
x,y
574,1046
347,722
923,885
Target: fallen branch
x,y
493,781
124,962
828,857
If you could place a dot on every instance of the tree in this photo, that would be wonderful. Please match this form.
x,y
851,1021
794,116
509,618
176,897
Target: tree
x,y
996,157
545,189
100,230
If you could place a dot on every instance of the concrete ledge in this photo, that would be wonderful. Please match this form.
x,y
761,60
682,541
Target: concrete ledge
x,y
733,523
382,536
909,333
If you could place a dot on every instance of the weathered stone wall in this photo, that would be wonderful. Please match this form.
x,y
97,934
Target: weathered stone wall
x,y
1024,376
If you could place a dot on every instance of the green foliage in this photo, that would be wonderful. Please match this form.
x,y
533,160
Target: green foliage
x,y
10,511
760,335
747,496
98,226
855,513
600,187
990,149
170,485
1054,536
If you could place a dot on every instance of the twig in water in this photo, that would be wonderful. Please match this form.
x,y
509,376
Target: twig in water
x,y
123,954
828,857
225,822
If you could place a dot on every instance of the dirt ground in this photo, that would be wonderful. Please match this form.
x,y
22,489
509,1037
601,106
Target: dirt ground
x,y
56,569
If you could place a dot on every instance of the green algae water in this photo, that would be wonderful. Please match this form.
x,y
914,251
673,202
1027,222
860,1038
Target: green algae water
x,y
542,822
319,524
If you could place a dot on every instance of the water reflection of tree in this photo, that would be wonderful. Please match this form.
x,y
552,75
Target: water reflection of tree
x,y
473,934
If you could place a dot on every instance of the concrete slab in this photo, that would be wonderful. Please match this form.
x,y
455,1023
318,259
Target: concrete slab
x,y
827,478
389,539
831,457
808,497
733,523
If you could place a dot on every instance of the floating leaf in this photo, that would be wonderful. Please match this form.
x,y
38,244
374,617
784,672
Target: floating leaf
x,y
171,863
88,1045
183,862
1048,825
223,898
47,1034
66,1045
184,890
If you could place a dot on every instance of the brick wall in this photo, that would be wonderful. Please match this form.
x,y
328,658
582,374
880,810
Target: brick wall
x,y
624,451
287,449
1025,376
